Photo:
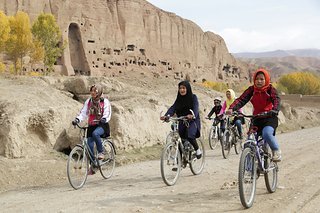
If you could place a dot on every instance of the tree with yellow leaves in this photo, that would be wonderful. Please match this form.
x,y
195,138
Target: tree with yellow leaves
x,y
305,83
46,30
19,42
4,30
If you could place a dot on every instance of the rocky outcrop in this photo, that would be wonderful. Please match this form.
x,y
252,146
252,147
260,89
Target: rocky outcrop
x,y
108,37
36,113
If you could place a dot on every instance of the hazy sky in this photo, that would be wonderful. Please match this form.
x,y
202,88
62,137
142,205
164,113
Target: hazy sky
x,y
254,25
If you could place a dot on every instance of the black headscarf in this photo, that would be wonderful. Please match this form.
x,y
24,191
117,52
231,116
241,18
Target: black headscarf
x,y
184,103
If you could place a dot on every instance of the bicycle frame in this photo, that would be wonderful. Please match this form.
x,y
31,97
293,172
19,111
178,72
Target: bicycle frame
x,y
86,149
257,145
185,150
253,161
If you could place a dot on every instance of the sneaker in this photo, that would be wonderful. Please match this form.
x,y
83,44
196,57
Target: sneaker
x,y
198,154
91,171
100,156
276,157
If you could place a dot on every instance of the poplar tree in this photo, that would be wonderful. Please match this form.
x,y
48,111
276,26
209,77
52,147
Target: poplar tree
x,y
19,43
46,30
4,30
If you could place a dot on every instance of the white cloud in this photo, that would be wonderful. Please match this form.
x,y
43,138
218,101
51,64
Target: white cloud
x,y
238,40
254,25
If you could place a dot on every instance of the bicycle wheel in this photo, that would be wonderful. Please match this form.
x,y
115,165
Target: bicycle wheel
x,y
77,167
213,137
170,163
172,136
197,165
236,144
247,177
108,163
271,176
225,144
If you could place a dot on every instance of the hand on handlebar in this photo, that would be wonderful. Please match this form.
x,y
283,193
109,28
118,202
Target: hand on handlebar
x,y
274,112
190,117
229,112
164,118
75,121
103,120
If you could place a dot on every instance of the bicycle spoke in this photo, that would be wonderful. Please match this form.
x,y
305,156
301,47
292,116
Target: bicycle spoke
x,y
107,165
247,178
77,168
170,164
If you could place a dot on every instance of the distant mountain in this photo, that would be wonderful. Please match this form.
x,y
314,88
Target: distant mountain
x,y
278,66
279,53
280,62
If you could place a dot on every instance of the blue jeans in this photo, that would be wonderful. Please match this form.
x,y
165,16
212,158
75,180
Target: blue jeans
x,y
239,126
267,135
97,139
237,123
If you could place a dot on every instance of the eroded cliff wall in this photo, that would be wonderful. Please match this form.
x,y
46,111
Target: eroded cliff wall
x,y
108,37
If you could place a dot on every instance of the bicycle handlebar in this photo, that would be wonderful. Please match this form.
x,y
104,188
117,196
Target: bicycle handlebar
x,y
260,115
81,127
181,118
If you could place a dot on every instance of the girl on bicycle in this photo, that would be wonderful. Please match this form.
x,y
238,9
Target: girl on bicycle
x,y
264,98
216,110
238,121
98,111
185,101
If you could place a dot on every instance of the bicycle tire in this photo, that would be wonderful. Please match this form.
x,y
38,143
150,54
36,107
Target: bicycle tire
x,y
107,165
197,165
271,176
236,144
77,167
170,164
247,177
213,137
171,136
225,144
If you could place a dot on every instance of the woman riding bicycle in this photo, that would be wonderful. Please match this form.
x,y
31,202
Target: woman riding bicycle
x,y
238,121
264,98
98,111
185,101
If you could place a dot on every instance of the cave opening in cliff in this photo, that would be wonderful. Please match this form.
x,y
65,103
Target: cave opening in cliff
x,y
77,54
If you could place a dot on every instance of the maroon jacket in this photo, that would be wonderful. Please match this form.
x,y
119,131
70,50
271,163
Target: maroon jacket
x,y
262,101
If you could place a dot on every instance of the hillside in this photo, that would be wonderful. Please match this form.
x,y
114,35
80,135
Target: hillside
x,y
282,62
105,38
284,65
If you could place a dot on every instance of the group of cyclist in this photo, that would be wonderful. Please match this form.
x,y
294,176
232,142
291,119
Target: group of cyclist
x,y
261,94
264,99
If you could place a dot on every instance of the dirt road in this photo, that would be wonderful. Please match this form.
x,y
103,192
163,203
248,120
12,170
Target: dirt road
x,y
139,187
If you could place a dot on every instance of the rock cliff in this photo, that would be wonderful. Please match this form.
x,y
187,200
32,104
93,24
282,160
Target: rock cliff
x,y
109,37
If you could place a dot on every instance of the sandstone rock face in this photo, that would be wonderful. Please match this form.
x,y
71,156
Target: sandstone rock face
x,y
108,37
36,113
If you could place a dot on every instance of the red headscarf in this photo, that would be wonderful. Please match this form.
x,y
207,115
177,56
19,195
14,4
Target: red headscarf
x,y
267,77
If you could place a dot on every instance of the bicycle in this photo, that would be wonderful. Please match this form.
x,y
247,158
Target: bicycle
x,y
78,163
230,138
177,154
256,159
214,133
